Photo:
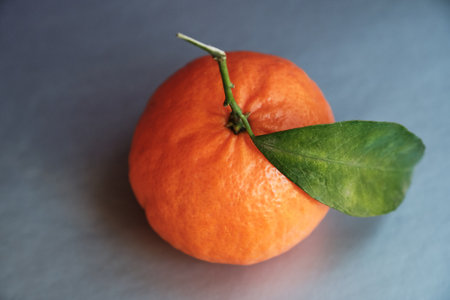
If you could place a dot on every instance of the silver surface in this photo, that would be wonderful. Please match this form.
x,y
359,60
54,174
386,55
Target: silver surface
x,y
75,76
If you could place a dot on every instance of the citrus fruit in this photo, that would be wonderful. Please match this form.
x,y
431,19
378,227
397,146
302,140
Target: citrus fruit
x,y
208,191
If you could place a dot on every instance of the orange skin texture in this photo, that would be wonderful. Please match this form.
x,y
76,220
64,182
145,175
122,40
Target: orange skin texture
x,y
211,193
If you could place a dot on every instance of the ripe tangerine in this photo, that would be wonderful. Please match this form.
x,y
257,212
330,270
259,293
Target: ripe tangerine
x,y
209,192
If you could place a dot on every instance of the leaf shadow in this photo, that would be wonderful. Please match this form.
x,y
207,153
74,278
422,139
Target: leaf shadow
x,y
347,236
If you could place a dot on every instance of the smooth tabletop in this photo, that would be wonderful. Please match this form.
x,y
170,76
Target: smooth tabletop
x,y
75,77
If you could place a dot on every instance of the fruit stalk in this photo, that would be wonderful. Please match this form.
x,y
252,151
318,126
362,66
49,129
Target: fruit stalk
x,y
237,120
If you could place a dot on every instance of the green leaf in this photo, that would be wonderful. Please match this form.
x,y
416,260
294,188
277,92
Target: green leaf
x,y
361,168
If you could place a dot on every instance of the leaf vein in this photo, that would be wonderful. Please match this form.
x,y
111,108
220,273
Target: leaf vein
x,y
332,161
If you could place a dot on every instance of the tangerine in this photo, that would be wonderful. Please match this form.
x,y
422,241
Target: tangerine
x,y
208,191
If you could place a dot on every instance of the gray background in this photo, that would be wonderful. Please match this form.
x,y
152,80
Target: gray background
x,y
75,76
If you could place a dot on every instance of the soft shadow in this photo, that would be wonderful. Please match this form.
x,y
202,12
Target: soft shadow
x,y
337,240
346,235
122,216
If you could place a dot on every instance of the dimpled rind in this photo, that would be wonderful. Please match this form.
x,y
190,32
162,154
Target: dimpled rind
x,y
211,193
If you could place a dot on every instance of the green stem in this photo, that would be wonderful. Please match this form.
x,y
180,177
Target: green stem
x,y
221,58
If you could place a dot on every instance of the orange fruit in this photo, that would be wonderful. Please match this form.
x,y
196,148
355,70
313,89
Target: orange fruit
x,y
209,192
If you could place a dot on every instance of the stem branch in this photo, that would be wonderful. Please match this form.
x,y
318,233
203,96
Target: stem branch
x,y
221,58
